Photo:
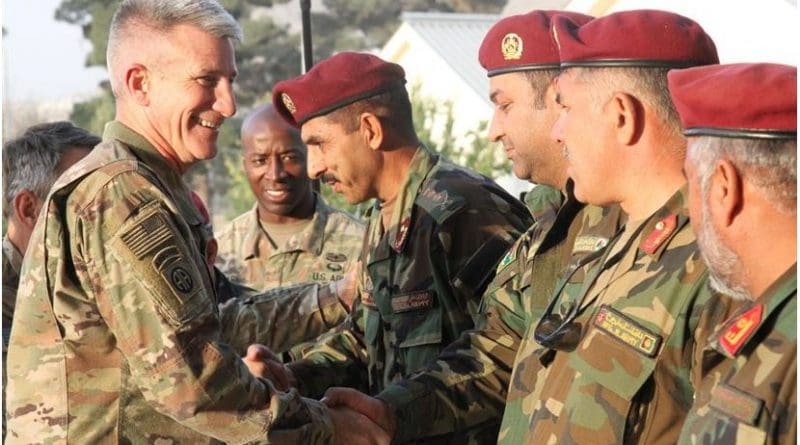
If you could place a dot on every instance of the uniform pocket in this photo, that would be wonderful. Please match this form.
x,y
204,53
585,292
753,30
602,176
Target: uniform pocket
x,y
417,326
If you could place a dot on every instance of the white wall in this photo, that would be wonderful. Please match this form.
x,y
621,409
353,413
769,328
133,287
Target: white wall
x,y
436,79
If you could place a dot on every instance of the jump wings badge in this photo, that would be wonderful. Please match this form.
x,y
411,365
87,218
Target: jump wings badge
x,y
511,46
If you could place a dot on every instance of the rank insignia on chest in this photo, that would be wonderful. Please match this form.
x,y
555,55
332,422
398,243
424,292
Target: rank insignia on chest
x,y
661,232
628,331
402,232
740,329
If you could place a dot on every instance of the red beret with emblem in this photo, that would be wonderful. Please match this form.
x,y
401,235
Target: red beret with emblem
x,y
523,42
640,38
333,83
747,100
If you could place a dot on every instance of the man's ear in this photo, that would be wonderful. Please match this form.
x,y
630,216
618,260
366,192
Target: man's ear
x,y
725,193
372,130
26,208
627,117
137,82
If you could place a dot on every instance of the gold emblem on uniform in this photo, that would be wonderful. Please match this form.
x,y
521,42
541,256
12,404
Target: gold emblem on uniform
x,y
511,46
288,103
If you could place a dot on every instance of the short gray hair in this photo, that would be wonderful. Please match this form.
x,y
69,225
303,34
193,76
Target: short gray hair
x,y
30,161
648,84
770,165
163,15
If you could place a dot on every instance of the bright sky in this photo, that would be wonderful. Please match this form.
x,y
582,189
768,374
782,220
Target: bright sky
x,y
43,59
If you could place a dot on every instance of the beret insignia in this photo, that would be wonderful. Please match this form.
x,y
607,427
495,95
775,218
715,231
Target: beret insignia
x,y
511,46
287,101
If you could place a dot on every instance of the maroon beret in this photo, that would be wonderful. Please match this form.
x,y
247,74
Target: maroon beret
x,y
523,42
642,38
333,83
747,100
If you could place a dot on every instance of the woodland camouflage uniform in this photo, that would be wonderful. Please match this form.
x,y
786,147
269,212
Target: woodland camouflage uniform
x,y
422,279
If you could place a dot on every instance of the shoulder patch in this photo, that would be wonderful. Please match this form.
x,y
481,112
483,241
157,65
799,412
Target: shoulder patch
x,y
160,258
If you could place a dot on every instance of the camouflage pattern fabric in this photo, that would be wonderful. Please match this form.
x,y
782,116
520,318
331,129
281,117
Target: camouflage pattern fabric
x,y
422,279
322,252
12,263
748,392
119,338
467,385
627,380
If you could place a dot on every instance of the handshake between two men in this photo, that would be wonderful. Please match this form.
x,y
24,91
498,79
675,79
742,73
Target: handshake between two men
x,y
358,419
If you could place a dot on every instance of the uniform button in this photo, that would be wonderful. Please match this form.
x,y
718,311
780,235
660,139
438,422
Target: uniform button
x,y
660,225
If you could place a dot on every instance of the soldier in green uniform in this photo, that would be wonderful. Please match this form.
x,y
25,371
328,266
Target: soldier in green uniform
x,y
434,237
291,235
464,390
609,360
31,164
741,123
119,338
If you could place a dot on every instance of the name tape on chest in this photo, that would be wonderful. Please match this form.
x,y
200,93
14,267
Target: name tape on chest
x,y
413,301
736,403
589,243
627,331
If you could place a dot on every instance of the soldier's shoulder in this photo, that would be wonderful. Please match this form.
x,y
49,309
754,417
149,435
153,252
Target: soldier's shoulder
x,y
341,219
237,225
450,189
106,162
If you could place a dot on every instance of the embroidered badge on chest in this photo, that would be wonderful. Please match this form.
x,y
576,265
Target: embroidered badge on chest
x,y
739,331
628,331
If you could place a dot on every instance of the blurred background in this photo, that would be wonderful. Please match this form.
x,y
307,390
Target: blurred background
x,y
53,64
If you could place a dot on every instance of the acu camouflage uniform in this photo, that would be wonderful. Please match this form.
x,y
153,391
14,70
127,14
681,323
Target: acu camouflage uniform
x,y
627,381
467,385
322,252
422,278
119,339
748,392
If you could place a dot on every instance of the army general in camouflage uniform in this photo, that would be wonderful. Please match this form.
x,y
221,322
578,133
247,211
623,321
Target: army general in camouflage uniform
x,y
609,361
434,237
291,235
119,338
741,122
